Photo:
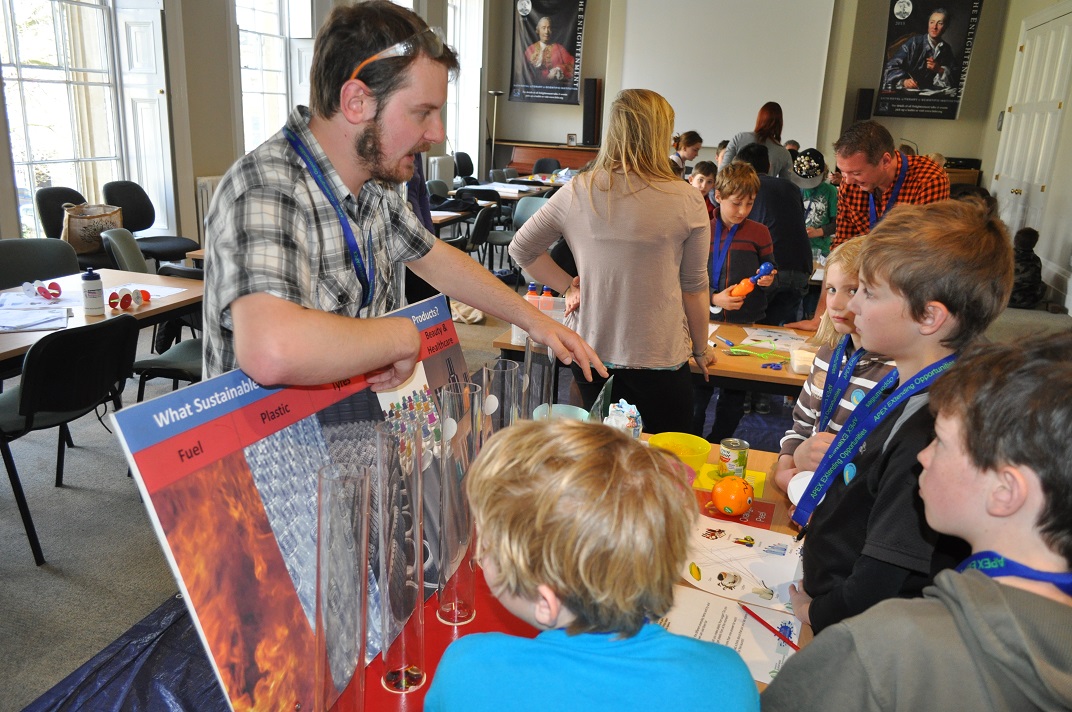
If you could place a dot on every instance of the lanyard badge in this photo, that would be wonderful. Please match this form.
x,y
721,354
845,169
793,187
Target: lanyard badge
x,y
366,278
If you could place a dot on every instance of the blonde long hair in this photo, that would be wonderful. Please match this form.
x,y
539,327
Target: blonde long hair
x,y
641,124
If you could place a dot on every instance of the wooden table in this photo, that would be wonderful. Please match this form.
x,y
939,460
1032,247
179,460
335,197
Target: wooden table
x,y
441,221
737,372
14,345
196,257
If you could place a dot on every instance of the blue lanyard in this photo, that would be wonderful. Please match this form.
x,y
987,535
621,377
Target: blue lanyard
x,y
720,251
367,280
994,565
837,381
864,419
893,194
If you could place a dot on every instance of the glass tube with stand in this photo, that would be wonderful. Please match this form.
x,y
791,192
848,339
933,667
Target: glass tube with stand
x,y
461,407
401,555
341,586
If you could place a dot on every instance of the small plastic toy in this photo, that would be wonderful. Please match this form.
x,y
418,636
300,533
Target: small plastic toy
x,y
746,285
732,495
125,298
38,288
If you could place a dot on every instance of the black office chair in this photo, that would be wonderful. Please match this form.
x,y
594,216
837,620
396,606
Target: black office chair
x,y
139,214
27,259
181,362
500,214
65,375
438,188
476,240
546,165
463,168
50,202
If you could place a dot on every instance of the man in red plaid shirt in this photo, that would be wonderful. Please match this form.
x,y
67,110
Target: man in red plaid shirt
x,y
876,176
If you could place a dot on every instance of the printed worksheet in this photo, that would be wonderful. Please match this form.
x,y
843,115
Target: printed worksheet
x,y
704,616
743,563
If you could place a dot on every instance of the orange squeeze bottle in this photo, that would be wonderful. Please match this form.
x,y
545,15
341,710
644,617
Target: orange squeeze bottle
x,y
743,288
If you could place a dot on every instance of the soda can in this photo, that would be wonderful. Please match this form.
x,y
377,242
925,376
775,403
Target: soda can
x,y
732,457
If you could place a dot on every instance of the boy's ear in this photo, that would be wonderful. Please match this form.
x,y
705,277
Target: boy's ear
x,y
1009,492
356,103
548,607
935,316
718,196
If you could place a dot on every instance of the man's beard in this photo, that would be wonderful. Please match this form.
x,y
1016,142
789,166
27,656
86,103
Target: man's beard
x,y
369,149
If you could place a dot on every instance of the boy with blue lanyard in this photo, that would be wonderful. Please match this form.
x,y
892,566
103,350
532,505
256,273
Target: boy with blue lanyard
x,y
997,635
932,279
738,247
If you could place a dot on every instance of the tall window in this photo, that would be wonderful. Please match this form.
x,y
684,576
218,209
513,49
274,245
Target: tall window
x,y
465,33
62,103
263,56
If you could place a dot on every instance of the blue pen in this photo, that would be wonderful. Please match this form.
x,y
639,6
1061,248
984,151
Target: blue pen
x,y
725,341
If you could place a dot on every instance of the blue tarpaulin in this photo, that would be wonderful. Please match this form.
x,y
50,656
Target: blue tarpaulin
x,y
158,665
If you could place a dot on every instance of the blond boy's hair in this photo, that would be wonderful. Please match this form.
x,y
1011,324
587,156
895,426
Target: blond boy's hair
x,y
588,511
847,257
954,252
737,179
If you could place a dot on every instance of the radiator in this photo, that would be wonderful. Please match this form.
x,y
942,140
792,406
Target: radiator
x,y
206,187
441,168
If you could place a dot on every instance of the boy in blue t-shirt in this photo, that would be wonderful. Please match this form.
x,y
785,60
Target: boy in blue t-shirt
x,y
582,532
932,279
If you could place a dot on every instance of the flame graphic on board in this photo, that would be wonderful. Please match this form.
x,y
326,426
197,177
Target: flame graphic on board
x,y
239,585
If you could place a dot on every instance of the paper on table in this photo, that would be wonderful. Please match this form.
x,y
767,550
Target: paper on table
x,y
18,300
772,338
704,616
510,187
443,214
32,320
744,563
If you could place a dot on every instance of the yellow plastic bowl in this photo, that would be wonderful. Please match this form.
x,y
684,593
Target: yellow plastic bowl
x,y
692,450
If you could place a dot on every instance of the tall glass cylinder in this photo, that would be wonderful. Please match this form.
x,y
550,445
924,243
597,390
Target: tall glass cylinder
x,y
502,403
341,586
537,381
401,555
462,428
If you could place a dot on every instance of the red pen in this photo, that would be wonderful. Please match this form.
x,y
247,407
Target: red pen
x,y
769,627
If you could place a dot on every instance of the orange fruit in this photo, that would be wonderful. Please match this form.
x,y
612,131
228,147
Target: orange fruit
x,y
732,495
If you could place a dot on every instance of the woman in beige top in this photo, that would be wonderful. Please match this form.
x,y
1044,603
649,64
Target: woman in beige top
x,y
641,240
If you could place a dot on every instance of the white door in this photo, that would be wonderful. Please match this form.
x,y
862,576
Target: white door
x,y
1038,98
143,81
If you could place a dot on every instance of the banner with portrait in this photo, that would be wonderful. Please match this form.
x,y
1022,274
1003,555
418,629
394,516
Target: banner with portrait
x,y
928,47
547,51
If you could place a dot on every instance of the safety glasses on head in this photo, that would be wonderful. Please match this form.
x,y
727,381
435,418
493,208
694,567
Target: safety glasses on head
x,y
428,41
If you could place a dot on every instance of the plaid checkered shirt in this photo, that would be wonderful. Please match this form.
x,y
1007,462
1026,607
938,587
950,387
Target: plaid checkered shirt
x,y
924,183
271,229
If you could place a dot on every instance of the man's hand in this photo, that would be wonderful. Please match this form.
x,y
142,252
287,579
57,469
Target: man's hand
x,y
556,73
568,346
805,325
800,601
393,376
932,64
910,84
726,301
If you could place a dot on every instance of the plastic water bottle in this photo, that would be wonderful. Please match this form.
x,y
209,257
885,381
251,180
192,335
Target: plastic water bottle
x,y
533,296
547,300
92,293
